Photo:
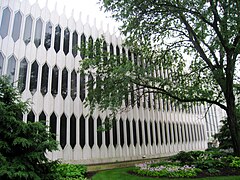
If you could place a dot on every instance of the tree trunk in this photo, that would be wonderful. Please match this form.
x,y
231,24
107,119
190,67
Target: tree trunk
x,y
233,126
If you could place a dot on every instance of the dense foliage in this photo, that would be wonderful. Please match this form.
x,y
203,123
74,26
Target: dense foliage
x,y
192,164
159,36
72,171
22,145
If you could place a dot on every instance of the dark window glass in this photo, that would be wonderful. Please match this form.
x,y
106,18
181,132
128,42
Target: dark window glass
x,y
128,132
97,47
57,39
156,132
82,131
107,136
53,125
134,133
73,131
63,131
91,131
54,89
5,22
174,133
129,55
178,132
161,133
170,133
22,75
1,63
121,132
31,117
132,95
166,132
16,26
99,132
64,83
34,77
183,131
73,84
27,30
66,41
146,132
111,50
151,133
42,118
74,44
138,97
186,137
90,47
38,33
83,46
114,133
48,35
140,132
82,86
44,81
11,68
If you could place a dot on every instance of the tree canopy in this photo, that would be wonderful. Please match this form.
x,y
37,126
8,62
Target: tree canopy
x,y
179,51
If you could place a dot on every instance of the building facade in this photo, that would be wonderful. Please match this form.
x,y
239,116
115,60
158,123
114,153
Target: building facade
x,y
38,52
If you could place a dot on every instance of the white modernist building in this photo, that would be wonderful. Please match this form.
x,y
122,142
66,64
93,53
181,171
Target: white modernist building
x,y
38,52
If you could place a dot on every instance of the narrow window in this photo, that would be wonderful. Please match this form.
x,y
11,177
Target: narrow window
x,y
31,117
38,33
90,47
161,133
66,41
74,44
140,132
64,83
16,26
82,131
82,86
107,136
53,125
128,132
99,132
73,131
156,132
57,39
54,88
63,131
105,54
134,133
5,23
90,85
146,132
91,131
83,46
42,118
48,35
121,132
28,30
73,84
11,68
151,133
1,63
44,81
118,54
114,133
166,132
22,75
34,77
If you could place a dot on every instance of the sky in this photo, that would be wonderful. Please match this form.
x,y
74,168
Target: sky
x,y
89,8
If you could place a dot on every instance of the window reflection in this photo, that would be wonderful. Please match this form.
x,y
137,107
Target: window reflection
x,y
11,68
5,22
66,41
1,63
22,75
38,33
54,89
73,84
27,30
34,77
64,83
82,86
57,39
16,26
75,44
48,35
83,46
44,81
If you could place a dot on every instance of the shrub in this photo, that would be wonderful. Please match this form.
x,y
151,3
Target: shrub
x,y
235,162
72,171
22,145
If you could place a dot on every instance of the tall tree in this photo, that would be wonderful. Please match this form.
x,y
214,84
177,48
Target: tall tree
x,y
160,33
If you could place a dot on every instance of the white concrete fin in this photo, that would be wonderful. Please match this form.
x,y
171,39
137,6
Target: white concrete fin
x,y
55,7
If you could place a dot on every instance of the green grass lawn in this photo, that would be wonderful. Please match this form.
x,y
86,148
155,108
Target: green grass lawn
x,y
121,174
